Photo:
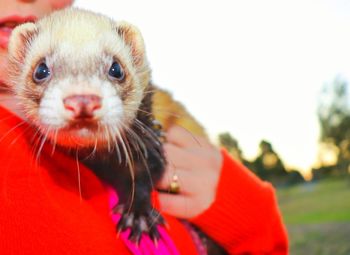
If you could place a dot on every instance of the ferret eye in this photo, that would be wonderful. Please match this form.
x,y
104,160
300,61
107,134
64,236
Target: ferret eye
x,y
41,73
116,72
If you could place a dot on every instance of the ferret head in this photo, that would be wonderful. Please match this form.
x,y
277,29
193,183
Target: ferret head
x,y
79,77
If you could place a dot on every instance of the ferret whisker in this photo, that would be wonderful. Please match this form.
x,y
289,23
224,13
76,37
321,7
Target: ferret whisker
x,y
107,132
54,142
128,160
114,138
22,133
12,129
126,141
147,130
95,145
98,132
36,144
43,140
153,138
34,135
94,149
134,142
138,140
92,153
130,164
150,91
78,174
146,112
142,152
96,118
129,151
170,113
133,108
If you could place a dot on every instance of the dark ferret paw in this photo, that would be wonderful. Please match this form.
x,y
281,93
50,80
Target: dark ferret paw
x,y
139,223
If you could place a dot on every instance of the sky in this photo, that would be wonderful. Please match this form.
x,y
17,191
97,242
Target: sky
x,y
252,68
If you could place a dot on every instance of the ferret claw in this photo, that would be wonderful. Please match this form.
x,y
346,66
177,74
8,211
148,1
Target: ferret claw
x,y
135,234
155,241
155,236
140,224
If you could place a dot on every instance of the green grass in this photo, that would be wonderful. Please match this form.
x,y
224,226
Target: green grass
x,y
325,238
317,216
317,202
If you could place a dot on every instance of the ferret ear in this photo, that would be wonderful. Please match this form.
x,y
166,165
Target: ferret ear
x,y
132,37
20,38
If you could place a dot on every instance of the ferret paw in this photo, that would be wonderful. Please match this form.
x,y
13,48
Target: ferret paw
x,y
139,223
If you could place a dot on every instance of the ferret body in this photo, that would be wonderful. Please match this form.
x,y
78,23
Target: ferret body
x,y
84,81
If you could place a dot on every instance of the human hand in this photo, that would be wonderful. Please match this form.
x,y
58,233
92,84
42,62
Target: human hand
x,y
197,164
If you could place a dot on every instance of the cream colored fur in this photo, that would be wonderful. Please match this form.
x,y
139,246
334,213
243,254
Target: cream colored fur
x,y
79,46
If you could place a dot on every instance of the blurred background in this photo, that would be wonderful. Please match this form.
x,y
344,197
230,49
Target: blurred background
x,y
270,82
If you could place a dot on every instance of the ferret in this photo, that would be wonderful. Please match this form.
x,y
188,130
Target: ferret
x,y
83,80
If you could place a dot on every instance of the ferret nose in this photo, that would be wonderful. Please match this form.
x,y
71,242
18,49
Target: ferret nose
x,y
82,106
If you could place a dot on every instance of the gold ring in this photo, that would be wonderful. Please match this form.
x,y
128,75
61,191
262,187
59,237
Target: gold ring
x,y
174,187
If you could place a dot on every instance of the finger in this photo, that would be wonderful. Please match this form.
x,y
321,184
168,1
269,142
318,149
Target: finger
x,y
184,138
177,157
184,179
176,205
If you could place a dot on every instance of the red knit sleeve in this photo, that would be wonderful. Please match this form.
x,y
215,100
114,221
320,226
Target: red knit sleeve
x,y
244,219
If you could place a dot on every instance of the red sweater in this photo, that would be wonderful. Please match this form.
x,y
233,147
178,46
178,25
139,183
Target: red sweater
x,y
42,212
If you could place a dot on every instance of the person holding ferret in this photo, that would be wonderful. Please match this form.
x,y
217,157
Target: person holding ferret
x,y
51,203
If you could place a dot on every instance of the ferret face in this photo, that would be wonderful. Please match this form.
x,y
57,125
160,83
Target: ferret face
x,y
79,77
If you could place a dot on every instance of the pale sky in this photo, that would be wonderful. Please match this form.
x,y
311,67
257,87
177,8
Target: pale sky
x,y
253,68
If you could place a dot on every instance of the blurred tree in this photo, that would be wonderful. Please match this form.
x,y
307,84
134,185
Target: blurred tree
x,y
268,164
231,144
334,119
334,113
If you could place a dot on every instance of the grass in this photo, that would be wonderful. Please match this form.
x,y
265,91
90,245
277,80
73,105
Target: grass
x,y
316,202
317,215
